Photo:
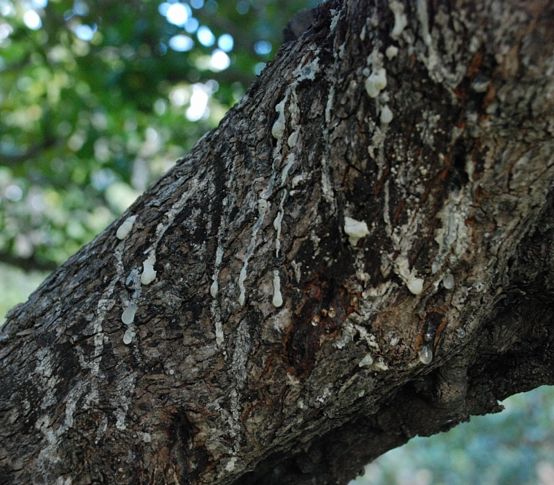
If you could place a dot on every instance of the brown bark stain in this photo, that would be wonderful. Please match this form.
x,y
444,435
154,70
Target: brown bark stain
x,y
181,454
319,319
434,323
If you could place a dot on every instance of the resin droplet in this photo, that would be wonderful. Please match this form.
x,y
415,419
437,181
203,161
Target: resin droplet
x,y
448,281
128,336
426,354
128,315
125,228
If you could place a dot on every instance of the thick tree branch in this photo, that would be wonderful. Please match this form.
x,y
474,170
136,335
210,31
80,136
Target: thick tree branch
x,y
27,264
358,254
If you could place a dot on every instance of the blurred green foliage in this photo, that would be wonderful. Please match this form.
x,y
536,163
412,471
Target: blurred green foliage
x,y
99,98
15,286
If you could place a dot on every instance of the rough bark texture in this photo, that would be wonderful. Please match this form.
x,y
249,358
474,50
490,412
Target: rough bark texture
x,y
241,329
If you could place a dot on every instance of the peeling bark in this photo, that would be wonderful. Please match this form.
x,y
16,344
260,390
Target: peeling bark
x,y
361,252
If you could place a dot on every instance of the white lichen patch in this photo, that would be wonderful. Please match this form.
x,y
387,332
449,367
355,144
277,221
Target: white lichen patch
x,y
286,169
432,59
424,21
367,361
214,287
347,335
378,291
386,115
277,296
219,335
53,431
263,206
448,281
380,365
376,82
125,387
297,180
307,71
363,276
242,289
452,236
400,19
335,16
278,128
230,465
355,230
148,272
297,268
125,228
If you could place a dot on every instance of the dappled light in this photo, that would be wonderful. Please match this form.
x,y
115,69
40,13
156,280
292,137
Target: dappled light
x,y
82,90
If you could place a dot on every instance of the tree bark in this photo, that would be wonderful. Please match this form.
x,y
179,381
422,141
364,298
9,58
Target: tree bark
x,y
361,252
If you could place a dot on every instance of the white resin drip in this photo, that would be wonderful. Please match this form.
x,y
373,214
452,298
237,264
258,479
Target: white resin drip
x,y
386,115
424,21
242,279
414,284
425,354
125,228
391,52
277,296
278,127
376,82
128,336
148,272
326,184
423,17
263,206
448,281
131,306
292,139
400,20
128,315
228,203
286,169
367,361
277,226
355,230
214,287
105,304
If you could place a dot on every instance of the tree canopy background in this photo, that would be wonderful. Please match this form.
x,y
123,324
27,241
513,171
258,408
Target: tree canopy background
x,y
98,99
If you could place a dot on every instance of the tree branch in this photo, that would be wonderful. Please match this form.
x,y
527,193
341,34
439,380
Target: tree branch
x,y
31,153
31,263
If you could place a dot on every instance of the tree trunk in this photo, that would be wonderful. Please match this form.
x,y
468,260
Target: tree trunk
x,y
359,253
